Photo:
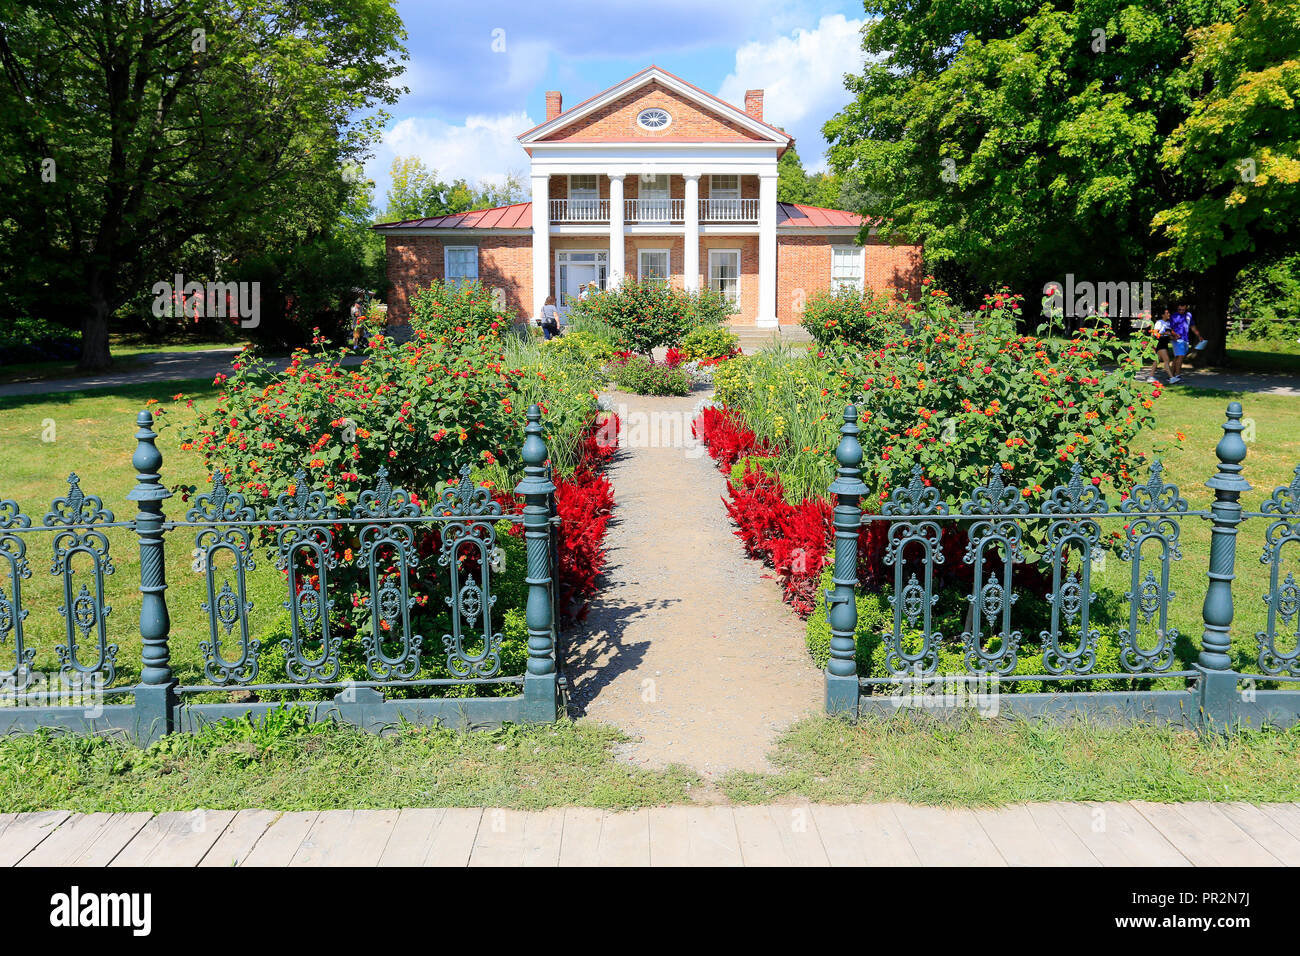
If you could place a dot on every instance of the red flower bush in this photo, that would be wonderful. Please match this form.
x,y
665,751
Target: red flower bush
x,y
725,436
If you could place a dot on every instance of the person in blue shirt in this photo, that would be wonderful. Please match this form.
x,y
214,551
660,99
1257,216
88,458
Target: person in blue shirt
x,y
1181,326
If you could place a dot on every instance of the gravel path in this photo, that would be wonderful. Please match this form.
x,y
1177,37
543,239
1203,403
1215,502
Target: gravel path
x,y
688,646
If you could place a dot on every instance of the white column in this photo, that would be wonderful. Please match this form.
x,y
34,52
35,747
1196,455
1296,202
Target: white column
x,y
541,243
691,265
616,264
766,252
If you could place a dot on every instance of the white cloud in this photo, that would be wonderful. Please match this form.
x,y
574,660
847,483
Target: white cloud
x,y
802,78
482,149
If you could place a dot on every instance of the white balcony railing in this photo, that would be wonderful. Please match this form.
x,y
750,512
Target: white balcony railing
x,y
579,210
654,210
729,210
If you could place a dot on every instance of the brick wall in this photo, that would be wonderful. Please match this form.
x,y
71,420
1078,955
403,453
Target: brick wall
x,y
803,266
617,120
504,262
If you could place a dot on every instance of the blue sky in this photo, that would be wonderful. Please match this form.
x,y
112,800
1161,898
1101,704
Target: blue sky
x,y
478,71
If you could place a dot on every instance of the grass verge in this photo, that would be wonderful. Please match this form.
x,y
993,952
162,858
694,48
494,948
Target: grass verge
x,y
284,763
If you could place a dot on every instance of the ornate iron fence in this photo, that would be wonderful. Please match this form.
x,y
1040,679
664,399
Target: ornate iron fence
x,y
303,531
1068,538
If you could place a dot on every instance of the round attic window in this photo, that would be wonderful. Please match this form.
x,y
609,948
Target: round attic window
x,y
653,118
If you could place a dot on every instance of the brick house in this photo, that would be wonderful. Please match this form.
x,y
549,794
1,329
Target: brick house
x,y
652,179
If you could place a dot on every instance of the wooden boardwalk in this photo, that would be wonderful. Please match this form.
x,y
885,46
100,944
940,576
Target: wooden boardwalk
x,y
1060,834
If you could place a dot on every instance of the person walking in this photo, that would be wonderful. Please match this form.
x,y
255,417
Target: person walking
x,y
358,313
550,319
1161,331
1181,326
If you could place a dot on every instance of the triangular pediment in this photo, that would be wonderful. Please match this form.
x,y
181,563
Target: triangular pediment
x,y
619,115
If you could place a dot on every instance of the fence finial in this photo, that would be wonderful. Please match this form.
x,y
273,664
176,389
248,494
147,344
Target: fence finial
x,y
1218,683
842,690
154,696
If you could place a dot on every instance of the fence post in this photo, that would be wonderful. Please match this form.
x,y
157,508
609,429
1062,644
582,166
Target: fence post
x,y
155,695
841,600
541,692
1218,682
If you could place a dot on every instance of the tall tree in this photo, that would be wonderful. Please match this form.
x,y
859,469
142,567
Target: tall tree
x,y
1019,140
416,192
1239,153
130,127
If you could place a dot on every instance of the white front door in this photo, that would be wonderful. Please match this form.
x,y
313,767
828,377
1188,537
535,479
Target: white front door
x,y
574,270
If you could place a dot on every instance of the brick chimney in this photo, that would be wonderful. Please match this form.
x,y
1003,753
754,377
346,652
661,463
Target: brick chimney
x,y
754,103
554,104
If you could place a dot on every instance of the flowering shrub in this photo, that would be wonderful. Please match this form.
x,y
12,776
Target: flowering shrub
x,y
861,318
648,315
709,343
674,357
645,376
444,309
725,436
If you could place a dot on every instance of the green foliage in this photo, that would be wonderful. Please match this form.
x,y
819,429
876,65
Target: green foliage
x,y
794,184
1269,294
583,346
417,193
961,405
645,376
709,342
447,309
863,318
28,339
164,147
644,316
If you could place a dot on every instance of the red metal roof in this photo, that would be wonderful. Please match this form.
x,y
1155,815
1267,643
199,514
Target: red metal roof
x,y
519,216
515,216
799,216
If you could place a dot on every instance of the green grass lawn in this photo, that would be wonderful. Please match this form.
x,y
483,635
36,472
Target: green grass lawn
x,y
1276,358
1273,453
286,765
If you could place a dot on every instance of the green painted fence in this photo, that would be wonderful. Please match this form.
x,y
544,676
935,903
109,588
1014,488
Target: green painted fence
x,y
1069,532
303,533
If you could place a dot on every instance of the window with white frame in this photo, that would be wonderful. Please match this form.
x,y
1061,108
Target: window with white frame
x,y
724,275
584,197
652,265
724,187
846,268
460,264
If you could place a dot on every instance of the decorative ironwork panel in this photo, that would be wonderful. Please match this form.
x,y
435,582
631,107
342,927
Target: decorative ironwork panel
x,y
85,610
305,552
467,546
992,595
1149,594
390,594
914,601
227,607
14,569
1072,596
1283,597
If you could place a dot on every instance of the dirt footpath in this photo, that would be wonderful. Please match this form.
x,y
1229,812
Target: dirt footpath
x,y
688,646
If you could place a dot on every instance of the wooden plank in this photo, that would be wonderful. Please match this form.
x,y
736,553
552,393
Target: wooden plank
x,y
346,838
1034,836
1264,830
580,840
280,841
779,836
1285,815
947,836
22,832
90,839
413,835
175,839
1205,835
693,836
239,837
516,838
453,841
1117,835
863,835
624,838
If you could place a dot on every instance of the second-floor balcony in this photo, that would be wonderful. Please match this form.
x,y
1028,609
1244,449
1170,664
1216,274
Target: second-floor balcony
x,y
643,211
